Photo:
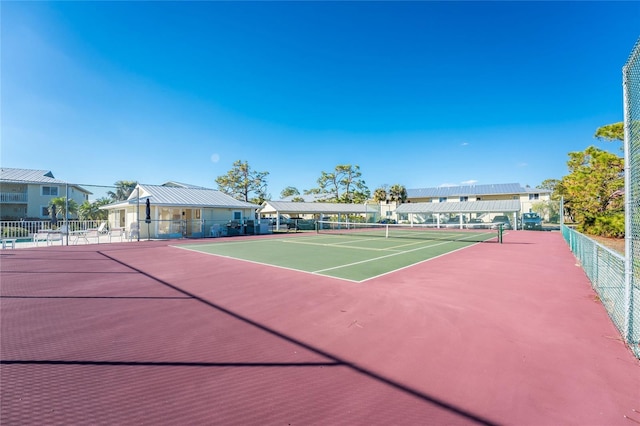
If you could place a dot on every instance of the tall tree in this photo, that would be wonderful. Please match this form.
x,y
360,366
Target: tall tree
x,y
592,188
343,185
380,194
398,192
123,188
548,209
91,211
611,132
289,191
241,182
551,185
60,204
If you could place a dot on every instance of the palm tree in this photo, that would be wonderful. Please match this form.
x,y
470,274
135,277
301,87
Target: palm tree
x,y
398,193
59,204
91,211
124,188
380,195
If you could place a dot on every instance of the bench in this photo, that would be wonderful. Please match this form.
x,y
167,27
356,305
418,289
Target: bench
x,y
48,236
40,236
9,241
117,233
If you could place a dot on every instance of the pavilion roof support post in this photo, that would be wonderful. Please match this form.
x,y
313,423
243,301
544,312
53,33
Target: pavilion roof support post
x,y
138,210
66,213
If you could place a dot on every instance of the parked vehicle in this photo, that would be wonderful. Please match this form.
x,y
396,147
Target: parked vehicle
x,y
504,220
454,222
476,224
391,221
531,221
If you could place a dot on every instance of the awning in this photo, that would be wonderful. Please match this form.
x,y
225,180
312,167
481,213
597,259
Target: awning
x,y
289,207
489,206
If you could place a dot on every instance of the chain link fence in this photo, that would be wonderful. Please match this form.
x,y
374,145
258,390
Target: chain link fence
x,y
606,271
616,278
631,90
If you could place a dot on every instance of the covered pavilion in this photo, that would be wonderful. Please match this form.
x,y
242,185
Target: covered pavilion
x,y
319,210
482,210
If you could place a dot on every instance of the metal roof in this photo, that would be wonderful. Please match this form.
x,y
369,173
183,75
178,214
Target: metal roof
x,y
187,197
538,191
308,198
183,185
455,191
30,176
490,206
310,208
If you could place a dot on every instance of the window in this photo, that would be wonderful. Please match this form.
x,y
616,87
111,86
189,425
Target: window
x,y
50,190
168,220
237,215
443,199
534,196
44,212
464,199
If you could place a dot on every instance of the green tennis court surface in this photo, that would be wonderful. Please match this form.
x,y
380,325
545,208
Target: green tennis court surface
x,y
350,257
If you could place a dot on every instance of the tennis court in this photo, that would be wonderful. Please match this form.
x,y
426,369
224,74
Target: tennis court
x,y
354,252
146,333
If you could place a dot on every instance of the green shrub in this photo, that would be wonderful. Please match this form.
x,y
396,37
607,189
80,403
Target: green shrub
x,y
611,225
11,231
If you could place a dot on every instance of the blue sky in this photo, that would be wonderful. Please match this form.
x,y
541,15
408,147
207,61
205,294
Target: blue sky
x,y
419,93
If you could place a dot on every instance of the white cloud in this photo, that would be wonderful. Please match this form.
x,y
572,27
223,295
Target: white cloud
x,y
447,185
215,158
522,164
464,143
469,182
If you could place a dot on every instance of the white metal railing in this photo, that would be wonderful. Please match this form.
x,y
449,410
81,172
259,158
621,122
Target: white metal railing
x,y
27,228
23,229
13,197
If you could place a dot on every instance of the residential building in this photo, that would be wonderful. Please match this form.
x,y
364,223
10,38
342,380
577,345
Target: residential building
x,y
182,210
26,193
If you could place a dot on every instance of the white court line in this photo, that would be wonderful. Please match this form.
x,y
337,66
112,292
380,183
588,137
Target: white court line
x,y
392,248
417,263
264,264
340,246
382,257
396,254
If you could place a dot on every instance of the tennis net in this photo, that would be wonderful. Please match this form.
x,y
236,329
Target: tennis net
x,y
476,232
